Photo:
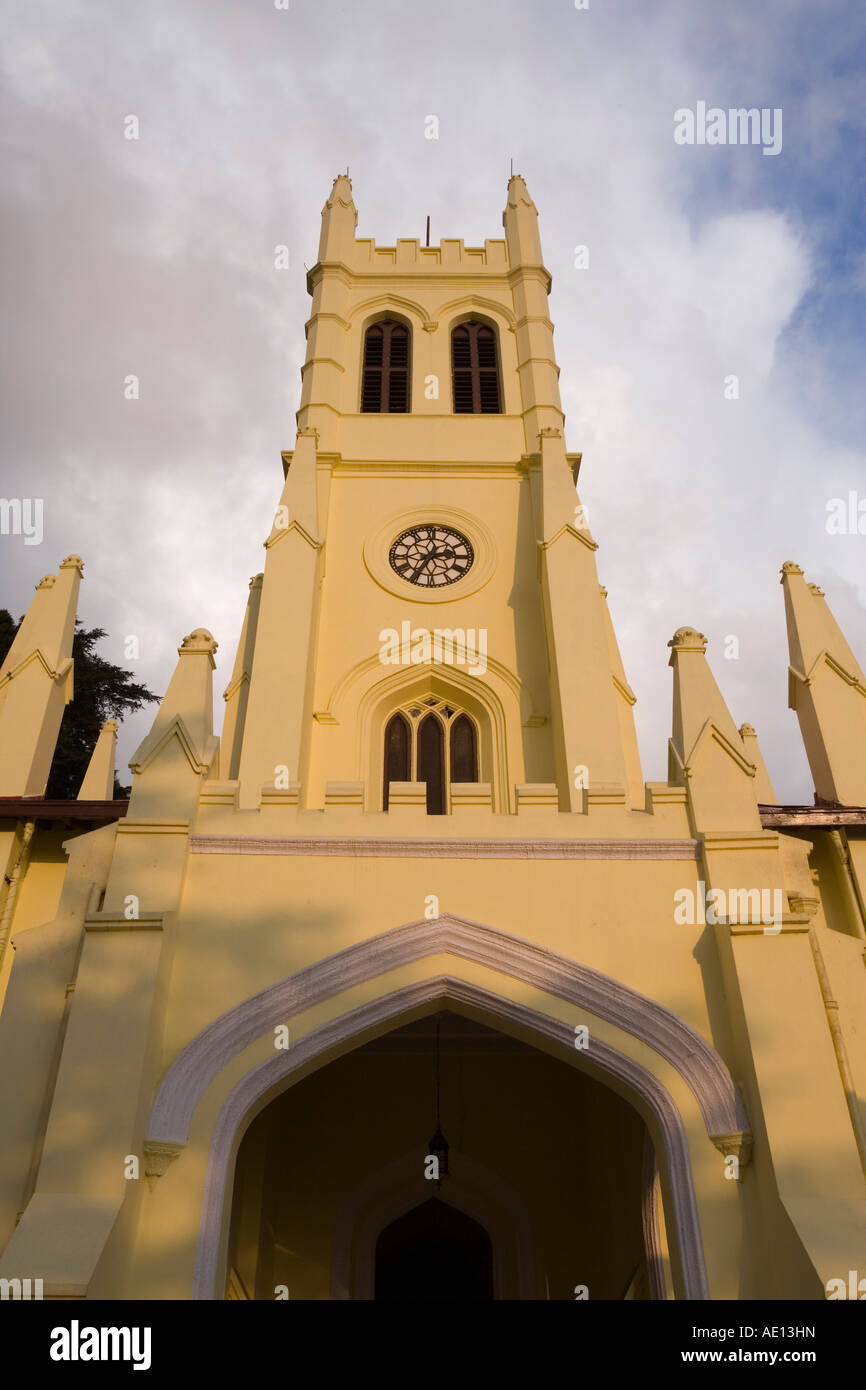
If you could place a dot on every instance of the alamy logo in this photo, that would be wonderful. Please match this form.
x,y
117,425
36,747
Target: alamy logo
x,y
738,126
449,646
846,516
76,1343
22,516
855,1289
736,905
23,1289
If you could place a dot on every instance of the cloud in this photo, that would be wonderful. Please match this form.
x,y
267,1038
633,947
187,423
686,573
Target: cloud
x,y
155,257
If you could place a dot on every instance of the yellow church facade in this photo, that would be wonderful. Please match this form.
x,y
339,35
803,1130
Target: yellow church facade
x,y
408,985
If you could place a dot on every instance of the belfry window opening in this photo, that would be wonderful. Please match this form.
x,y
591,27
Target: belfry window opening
x,y
385,375
430,740
475,370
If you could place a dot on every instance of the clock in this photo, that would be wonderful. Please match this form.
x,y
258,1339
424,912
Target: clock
x,y
431,556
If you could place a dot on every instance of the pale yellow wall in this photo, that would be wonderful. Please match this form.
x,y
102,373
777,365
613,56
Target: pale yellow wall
x,y
43,882
356,608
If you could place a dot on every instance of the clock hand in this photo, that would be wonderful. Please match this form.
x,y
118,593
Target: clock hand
x,y
424,563
444,553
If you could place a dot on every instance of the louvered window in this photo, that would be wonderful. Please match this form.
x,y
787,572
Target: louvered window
x,y
475,370
385,377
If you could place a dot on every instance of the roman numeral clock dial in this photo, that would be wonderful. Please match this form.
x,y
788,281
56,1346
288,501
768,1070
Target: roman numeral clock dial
x,y
431,556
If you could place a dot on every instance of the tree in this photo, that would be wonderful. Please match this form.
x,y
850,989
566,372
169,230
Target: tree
x,y
102,691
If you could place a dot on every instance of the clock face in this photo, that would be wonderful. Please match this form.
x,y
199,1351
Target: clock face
x,y
431,556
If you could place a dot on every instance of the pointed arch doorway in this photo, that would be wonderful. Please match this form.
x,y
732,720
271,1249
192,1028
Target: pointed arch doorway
x,y
710,1105
331,1200
435,1253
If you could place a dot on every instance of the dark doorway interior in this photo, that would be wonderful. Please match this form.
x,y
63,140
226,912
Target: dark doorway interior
x,y
434,1252
570,1211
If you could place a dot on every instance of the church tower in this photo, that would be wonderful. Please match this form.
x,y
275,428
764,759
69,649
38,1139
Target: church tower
x,y
406,984
430,602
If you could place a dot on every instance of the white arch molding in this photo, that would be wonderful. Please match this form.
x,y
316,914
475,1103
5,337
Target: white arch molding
x,y
650,1201
263,1082
204,1057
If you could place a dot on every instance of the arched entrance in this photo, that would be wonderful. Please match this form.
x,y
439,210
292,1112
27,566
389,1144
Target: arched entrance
x,y
434,1253
711,1104
541,1185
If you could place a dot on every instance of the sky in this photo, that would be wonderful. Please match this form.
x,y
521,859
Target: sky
x,y
154,257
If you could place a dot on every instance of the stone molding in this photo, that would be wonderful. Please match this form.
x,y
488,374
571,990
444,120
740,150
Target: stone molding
x,y
375,847
116,921
63,670
797,678
158,1157
136,826
367,670
737,841
151,748
650,1195
737,1145
568,529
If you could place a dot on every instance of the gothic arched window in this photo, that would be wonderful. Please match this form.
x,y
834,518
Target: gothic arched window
x,y
464,757
431,763
430,741
398,753
385,377
475,370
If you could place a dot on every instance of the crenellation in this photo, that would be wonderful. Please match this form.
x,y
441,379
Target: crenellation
x,y
448,256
